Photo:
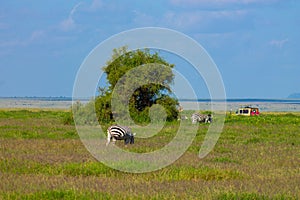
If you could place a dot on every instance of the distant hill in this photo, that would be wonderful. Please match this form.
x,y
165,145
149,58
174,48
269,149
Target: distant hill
x,y
294,96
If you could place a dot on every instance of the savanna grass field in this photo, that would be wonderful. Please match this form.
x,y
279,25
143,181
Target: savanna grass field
x,y
42,157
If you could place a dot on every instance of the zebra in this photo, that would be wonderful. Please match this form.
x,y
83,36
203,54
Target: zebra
x,y
197,117
116,132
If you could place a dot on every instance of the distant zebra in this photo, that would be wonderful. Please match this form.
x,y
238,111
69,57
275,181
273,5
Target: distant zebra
x,y
197,117
116,132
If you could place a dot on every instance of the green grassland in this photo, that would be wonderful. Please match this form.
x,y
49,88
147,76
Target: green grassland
x,y
42,157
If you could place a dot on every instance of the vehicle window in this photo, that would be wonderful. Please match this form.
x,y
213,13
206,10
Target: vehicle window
x,y
245,111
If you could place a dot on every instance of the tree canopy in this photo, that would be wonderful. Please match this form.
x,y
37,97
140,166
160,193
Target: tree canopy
x,y
137,80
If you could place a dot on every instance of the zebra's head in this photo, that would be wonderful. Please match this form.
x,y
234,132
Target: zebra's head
x,y
129,138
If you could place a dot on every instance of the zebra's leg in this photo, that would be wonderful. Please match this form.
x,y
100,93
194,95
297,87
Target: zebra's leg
x,y
114,140
108,138
132,140
194,121
126,140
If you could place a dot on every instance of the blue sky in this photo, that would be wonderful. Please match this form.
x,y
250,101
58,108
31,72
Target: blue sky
x,y
254,43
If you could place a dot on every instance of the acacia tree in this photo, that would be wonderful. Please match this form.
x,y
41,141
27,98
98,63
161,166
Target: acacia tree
x,y
143,97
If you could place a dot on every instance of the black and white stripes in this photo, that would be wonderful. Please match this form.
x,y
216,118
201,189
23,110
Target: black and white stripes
x,y
197,117
116,132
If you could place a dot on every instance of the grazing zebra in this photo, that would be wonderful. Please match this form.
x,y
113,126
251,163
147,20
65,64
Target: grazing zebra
x,y
116,132
197,117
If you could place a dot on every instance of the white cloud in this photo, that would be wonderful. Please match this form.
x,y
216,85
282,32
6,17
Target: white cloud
x,y
69,23
278,43
37,36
